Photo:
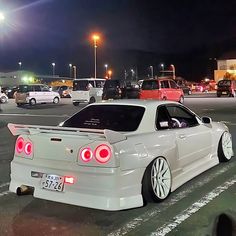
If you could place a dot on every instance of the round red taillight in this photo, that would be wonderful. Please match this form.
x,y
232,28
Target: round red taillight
x,y
103,153
86,154
19,145
28,148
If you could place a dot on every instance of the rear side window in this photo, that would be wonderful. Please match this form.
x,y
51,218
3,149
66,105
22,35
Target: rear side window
x,y
173,84
150,85
99,83
113,117
165,84
37,88
182,115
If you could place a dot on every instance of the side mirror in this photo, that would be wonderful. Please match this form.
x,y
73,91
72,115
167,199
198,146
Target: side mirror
x,y
206,120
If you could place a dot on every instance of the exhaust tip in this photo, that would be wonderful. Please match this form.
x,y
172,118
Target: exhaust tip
x,y
24,190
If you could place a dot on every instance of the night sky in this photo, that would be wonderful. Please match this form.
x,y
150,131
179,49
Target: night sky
x,y
134,33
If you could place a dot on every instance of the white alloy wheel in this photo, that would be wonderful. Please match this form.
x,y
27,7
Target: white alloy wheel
x,y
161,178
225,147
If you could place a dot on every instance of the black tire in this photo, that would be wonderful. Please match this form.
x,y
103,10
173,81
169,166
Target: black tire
x,y
56,100
92,100
225,151
76,103
149,191
32,102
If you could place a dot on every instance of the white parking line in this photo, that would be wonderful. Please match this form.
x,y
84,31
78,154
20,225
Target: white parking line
x,y
178,219
4,185
4,193
146,216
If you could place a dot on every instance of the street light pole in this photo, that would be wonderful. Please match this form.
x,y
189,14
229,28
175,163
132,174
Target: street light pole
x,y
75,73
151,68
106,66
70,66
132,74
173,69
162,69
95,39
53,68
20,64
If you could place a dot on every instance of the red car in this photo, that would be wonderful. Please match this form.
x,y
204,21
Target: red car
x,y
161,89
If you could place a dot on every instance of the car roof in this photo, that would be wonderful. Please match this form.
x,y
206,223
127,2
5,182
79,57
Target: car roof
x,y
135,102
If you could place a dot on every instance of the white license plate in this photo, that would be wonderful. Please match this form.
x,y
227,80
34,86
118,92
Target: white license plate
x,y
53,182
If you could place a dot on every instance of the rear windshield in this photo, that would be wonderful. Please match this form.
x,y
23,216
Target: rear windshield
x,y
224,83
80,85
150,84
113,117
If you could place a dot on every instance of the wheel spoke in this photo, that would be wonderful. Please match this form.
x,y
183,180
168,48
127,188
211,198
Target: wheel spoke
x,y
160,178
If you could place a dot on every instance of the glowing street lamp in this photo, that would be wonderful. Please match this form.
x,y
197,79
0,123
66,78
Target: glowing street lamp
x,y
53,68
132,73
95,38
162,66
106,66
20,64
70,66
2,17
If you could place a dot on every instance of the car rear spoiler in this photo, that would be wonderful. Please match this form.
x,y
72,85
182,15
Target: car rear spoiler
x,y
110,135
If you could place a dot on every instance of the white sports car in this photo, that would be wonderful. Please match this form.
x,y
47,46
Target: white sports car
x,y
116,155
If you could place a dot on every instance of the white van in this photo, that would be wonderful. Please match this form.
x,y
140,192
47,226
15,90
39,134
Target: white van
x,y
35,93
87,90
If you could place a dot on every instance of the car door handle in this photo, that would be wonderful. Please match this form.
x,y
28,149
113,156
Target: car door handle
x,y
182,136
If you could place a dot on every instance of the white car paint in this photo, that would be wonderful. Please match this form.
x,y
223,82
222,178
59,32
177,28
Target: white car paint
x,y
89,94
117,184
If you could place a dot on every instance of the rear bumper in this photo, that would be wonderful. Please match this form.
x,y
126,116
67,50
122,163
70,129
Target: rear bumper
x,y
80,100
101,188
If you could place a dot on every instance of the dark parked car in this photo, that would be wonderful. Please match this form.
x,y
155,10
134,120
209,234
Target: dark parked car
x,y
114,89
227,87
10,91
186,89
